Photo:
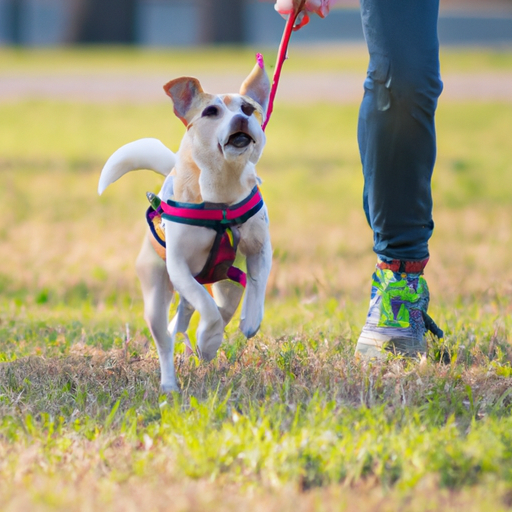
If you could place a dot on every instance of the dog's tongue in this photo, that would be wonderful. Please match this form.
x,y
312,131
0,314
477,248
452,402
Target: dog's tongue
x,y
239,140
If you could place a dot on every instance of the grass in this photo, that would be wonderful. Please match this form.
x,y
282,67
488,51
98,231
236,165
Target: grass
x,y
288,420
225,59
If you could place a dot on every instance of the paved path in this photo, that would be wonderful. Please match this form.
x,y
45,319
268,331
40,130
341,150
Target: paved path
x,y
294,87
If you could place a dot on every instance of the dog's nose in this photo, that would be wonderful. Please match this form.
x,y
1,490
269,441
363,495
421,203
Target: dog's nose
x,y
239,123
240,136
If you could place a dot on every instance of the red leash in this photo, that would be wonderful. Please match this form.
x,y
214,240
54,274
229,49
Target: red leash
x,y
281,56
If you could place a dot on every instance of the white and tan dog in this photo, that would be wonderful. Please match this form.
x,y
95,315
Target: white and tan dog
x,y
215,164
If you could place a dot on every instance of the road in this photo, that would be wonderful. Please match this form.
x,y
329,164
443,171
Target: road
x,y
336,87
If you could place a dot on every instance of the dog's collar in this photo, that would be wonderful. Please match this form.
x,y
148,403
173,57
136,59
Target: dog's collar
x,y
217,216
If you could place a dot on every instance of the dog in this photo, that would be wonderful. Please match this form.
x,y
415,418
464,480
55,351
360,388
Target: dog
x,y
209,205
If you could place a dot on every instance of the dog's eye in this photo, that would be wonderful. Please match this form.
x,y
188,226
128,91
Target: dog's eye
x,y
248,109
210,111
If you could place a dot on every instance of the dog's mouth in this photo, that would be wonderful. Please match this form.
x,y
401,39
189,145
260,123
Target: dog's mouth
x,y
239,140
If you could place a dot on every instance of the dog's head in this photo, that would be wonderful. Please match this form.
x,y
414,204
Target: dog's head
x,y
226,125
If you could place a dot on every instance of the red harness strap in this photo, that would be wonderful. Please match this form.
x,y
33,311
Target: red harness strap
x,y
217,216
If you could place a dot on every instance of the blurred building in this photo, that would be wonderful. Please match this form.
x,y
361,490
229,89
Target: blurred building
x,y
193,22
147,22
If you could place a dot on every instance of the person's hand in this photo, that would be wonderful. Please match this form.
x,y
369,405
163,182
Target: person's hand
x,y
302,9
320,7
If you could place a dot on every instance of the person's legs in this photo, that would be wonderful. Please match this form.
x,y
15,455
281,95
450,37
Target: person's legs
x,y
397,143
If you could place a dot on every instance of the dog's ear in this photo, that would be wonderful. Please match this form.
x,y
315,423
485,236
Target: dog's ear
x,y
184,93
257,84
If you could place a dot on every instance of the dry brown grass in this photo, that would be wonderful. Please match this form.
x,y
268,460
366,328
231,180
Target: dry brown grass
x,y
163,493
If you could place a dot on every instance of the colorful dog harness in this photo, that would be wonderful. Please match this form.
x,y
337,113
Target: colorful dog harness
x,y
223,218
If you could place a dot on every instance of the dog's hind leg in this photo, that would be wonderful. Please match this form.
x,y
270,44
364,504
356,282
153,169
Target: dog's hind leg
x,y
181,321
157,291
227,295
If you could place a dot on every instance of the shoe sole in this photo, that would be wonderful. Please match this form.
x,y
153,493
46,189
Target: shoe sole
x,y
376,345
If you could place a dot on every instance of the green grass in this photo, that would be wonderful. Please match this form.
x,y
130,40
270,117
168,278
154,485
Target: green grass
x,y
225,59
288,420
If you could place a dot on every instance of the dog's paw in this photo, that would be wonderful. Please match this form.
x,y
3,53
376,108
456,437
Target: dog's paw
x,y
249,330
209,339
250,321
207,350
169,388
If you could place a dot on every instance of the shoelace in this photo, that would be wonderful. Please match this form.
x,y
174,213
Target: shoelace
x,y
432,326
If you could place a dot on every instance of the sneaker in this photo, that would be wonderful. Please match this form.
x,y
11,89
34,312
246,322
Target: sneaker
x,y
397,318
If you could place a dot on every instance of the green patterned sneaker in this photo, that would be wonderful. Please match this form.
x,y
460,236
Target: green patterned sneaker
x,y
397,318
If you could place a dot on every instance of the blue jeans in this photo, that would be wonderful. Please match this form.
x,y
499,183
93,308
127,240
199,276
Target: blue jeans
x,y
396,131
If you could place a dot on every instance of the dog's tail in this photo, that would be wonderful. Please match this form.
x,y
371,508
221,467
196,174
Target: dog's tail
x,y
141,154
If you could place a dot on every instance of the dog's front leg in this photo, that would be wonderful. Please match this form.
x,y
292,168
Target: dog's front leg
x,y
187,249
258,270
211,326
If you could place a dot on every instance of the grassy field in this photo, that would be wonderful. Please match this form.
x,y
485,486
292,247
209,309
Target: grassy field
x,y
302,58
288,420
